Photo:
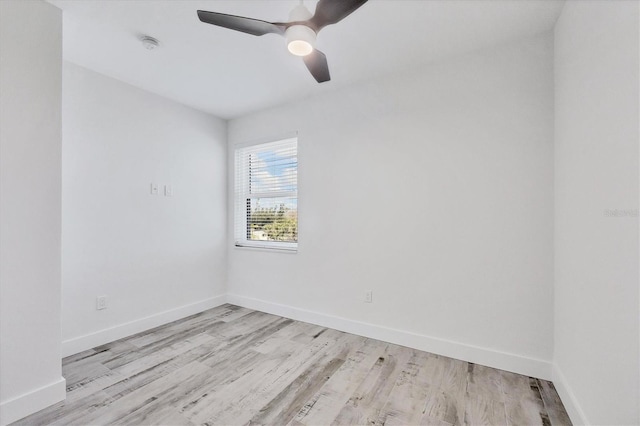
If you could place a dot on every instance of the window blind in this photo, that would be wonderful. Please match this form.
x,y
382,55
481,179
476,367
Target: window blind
x,y
266,195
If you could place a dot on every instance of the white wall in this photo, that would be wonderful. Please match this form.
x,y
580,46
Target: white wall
x,y
596,256
156,258
30,145
434,189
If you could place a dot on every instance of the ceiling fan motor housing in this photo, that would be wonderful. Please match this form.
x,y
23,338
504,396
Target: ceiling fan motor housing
x,y
301,39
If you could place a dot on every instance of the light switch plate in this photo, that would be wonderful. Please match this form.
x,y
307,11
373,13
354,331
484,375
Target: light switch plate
x,y
154,189
168,191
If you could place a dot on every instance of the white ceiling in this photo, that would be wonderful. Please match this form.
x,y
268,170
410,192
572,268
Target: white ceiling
x,y
228,74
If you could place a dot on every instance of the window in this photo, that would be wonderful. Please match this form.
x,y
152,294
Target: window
x,y
266,196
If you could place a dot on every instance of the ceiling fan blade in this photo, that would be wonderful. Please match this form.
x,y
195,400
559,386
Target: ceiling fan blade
x,y
316,62
240,23
331,11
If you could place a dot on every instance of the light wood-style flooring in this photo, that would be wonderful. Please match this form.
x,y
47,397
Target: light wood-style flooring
x,y
235,366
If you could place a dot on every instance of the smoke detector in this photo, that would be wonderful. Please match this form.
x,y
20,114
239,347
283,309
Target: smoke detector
x,y
149,42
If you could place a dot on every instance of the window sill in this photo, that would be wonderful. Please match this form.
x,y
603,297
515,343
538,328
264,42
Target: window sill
x,y
269,248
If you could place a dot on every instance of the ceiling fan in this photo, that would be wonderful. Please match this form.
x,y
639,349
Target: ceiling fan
x,y
300,31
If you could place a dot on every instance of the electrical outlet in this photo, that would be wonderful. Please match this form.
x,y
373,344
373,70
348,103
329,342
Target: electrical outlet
x,y
168,191
154,189
368,297
101,303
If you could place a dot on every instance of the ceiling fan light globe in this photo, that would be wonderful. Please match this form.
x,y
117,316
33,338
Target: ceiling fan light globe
x,y
300,48
300,40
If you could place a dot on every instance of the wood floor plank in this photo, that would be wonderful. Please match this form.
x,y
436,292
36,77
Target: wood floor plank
x,y
232,312
485,381
365,404
67,412
245,341
557,413
326,404
247,324
100,354
430,421
163,348
282,409
239,400
235,366
523,401
446,402
282,337
159,415
96,384
223,313
77,357
415,384
167,390
309,333
155,372
481,410
442,406
83,373
161,355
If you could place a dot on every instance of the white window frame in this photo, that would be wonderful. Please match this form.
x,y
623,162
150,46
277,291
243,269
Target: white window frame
x,y
242,194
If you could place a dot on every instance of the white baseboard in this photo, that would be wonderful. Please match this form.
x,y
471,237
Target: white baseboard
x,y
568,398
30,402
88,341
478,355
